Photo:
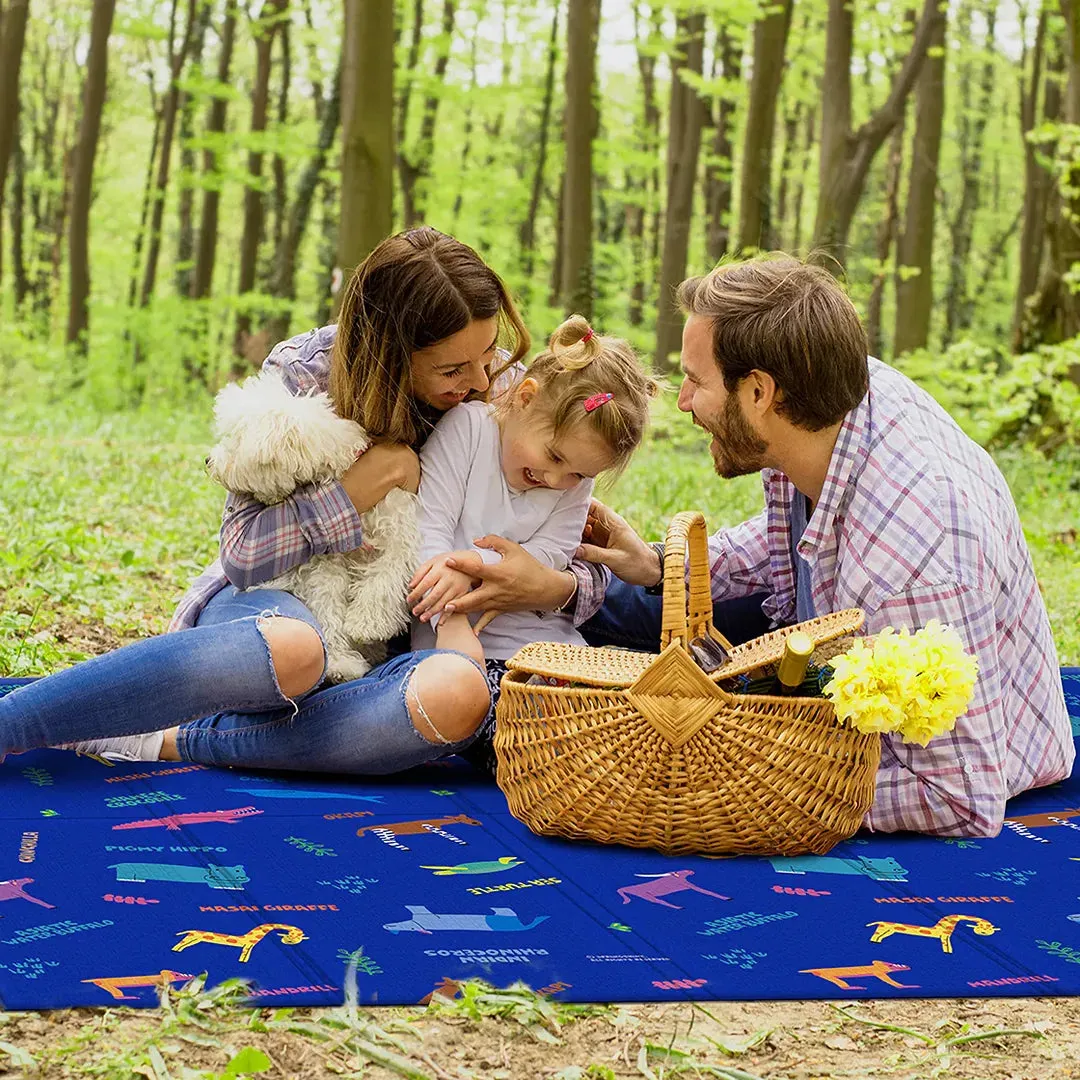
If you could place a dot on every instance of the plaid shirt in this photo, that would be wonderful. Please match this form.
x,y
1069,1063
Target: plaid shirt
x,y
915,522
260,542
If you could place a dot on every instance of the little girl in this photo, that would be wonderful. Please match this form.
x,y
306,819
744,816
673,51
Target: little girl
x,y
522,467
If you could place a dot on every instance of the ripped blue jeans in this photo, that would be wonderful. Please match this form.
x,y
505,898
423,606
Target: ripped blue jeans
x,y
217,684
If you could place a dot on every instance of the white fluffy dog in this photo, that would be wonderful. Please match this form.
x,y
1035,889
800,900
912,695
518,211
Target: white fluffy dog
x,y
271,442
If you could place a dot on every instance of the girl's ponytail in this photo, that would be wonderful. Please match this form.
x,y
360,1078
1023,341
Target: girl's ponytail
x,y
574,344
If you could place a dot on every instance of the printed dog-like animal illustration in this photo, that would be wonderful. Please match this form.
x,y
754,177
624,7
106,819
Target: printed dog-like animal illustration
x,y
878,969
217,877
1044,821
663,885
271,442
942,929
424,921
292,935
12,889
173,822
427,826
886,869
115,983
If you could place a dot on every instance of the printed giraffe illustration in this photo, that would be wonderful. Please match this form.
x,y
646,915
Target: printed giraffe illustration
x,y
879,969
12,889
292,935
115,983
942,929
662,885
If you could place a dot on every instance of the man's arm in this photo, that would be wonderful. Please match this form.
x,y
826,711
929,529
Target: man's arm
x,y
957,785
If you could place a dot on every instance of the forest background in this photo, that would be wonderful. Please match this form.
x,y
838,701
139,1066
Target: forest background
x,y
185,182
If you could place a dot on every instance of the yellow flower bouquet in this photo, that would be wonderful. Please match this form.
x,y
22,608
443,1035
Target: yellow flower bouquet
x,y
915,684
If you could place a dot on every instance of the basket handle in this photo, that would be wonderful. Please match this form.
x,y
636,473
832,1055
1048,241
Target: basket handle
x,y
687,613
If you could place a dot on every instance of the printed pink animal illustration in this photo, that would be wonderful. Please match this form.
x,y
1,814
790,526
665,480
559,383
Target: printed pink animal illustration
x,y
13,890
174,821
663,885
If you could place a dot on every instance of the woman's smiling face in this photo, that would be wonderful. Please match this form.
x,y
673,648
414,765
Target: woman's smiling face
x,y
445,373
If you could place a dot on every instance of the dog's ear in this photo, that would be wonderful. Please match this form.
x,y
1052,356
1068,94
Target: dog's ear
x,y
271,442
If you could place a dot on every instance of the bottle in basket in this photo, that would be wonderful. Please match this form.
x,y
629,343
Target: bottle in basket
x,y
791,671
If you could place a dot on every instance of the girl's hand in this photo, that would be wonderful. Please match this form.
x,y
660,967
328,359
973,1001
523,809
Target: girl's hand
x,y
377,471
435,584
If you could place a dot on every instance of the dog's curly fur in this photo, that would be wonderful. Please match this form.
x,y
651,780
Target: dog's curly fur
x,y
271,442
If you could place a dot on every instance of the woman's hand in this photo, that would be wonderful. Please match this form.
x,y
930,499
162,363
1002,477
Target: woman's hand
x,y
437,583
517,582
616,545
377,471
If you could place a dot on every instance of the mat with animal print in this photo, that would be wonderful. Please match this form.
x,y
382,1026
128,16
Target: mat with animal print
x,y
121,878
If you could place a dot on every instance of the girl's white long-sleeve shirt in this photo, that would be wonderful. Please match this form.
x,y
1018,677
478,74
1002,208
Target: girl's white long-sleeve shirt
x,y
464,496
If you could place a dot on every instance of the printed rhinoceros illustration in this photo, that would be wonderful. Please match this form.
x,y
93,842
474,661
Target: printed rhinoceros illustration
x,y
426,922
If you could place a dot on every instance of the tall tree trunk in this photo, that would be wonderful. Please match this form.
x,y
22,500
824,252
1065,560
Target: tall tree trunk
x,y
97,67
583,25
215,125
367,126
792,119
12,39
559,256
527,229
281,187
1037,180
755,188
686,117
915,246
957,303
148,195
264,30
415,168
185,246
846,155
18,212
285,255
804,174
886,233
466,142
168,126
718,185
1068,231
649,146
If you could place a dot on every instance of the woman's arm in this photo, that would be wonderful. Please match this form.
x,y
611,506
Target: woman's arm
x,y
259,542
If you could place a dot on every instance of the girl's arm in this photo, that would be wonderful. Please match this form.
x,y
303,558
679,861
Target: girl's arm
x,y
555,542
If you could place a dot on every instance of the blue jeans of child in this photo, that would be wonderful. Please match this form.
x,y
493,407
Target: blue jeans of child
x,y
630,618
217,683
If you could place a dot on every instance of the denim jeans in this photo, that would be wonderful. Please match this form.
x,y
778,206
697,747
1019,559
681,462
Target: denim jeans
x,y
217,683
630,618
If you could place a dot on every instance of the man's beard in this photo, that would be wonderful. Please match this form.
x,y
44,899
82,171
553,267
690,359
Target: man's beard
x,y
736,448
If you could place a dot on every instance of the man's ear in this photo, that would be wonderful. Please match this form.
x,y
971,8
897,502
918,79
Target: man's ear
x,y
761,392
525,392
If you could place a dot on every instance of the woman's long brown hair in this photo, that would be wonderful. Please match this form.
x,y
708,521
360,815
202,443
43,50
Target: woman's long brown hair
x,y
415,289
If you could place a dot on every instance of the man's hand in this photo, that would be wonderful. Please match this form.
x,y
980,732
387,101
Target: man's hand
x,y
616,545
517,582
441,579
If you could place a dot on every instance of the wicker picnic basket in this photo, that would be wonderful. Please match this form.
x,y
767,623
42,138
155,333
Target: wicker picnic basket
x,y
649,751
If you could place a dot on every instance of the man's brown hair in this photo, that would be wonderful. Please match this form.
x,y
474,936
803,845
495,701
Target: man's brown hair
x,y
415,289
791,320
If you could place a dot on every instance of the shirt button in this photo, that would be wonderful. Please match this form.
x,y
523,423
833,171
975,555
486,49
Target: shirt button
x,y
968,769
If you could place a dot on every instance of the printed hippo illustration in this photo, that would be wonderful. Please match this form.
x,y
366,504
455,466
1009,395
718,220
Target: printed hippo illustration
x,y
661,885
426,922
491,866
886,869
217,877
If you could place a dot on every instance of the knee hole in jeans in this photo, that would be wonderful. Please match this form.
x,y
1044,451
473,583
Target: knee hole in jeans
x,y
448,698
296,652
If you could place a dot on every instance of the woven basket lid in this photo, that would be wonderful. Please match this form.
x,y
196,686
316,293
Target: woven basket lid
x,y
621,667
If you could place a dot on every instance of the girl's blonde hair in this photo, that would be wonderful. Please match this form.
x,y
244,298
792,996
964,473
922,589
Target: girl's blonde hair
x,y
415,289
580,366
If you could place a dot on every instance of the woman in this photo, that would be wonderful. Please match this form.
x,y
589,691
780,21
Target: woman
x,y
237,681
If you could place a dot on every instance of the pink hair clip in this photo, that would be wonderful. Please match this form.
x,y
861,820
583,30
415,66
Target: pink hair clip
x,y
588,335
596,401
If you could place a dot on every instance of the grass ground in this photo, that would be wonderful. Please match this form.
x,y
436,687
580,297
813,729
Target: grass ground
x,y
105,521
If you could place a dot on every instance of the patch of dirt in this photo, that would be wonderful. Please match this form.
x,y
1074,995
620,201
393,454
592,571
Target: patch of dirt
x,y
805,1040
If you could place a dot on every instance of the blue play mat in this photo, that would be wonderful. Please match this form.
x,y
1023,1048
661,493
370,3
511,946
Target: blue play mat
x,y
120,877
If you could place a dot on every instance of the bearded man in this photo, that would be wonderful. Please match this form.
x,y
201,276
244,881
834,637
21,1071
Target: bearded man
x,y
874,498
